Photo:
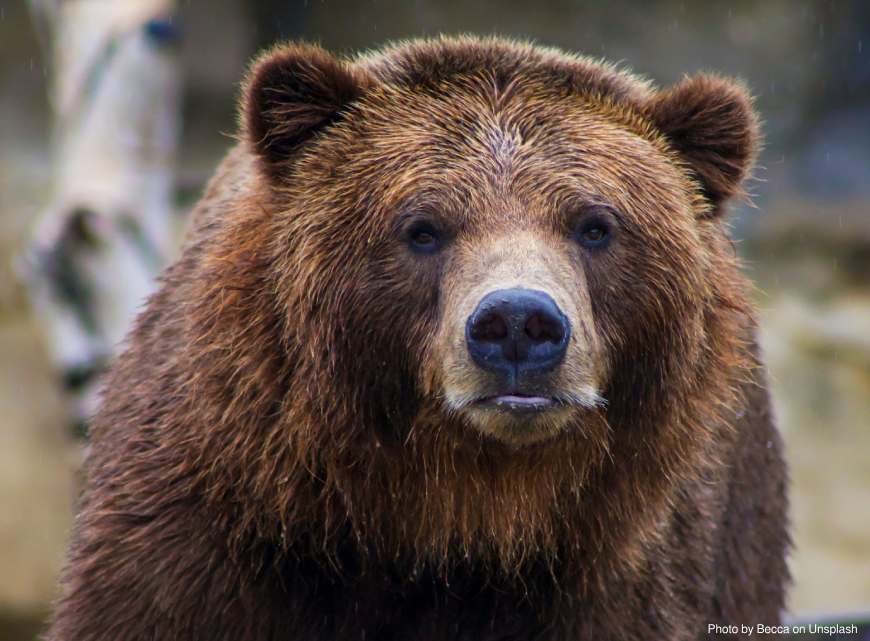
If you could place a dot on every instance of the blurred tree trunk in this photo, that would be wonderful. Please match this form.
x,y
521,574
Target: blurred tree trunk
x,y
98,246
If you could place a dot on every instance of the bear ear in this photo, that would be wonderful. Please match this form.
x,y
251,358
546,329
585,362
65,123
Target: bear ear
x,y
711,123
292,92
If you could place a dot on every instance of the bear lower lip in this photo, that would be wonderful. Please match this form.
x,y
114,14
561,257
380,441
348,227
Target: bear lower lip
x,y
519,403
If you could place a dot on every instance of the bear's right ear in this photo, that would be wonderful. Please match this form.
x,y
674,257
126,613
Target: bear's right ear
x,y
711,123
292,92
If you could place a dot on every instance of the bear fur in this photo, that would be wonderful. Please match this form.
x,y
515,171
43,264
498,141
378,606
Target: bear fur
x,y
291,446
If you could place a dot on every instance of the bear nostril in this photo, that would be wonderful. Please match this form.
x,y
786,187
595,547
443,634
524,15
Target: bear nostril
x,y
541,327
490,327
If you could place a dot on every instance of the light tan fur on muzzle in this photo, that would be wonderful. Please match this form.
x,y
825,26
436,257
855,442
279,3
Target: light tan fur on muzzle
x,y
523,260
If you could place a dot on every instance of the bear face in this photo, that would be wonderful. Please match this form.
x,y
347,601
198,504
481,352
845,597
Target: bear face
x,y
493,277
455,215
420,201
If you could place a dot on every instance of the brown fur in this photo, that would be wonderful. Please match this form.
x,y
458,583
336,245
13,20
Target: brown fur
x,y
286,449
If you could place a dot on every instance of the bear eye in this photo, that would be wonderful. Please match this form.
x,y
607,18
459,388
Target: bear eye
x,y
595,230
593,234
424,238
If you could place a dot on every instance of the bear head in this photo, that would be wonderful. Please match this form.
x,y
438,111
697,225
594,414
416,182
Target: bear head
x,y
501,291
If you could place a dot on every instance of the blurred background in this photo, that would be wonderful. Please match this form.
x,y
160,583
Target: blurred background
x,y
112,120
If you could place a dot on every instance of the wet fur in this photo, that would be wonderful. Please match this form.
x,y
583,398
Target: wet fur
x,y
274,458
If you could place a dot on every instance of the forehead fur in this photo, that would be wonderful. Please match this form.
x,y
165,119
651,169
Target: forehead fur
x,y
465,101
477,153
433,65
705,124
426,63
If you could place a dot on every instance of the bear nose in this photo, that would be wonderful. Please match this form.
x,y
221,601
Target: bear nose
x,y
519,331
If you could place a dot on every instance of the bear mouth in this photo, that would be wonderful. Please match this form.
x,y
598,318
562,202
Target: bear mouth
x,y
518,403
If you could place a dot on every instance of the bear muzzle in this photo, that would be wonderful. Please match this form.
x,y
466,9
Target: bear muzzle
x,y
519,336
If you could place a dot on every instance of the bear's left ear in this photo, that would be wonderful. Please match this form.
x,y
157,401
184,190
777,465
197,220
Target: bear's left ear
x,y
711,123
291,93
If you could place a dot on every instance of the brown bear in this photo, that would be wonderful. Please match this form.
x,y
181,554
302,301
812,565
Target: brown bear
x,y
458,348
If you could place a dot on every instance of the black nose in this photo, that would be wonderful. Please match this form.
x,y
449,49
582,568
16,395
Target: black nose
x,y
517,331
